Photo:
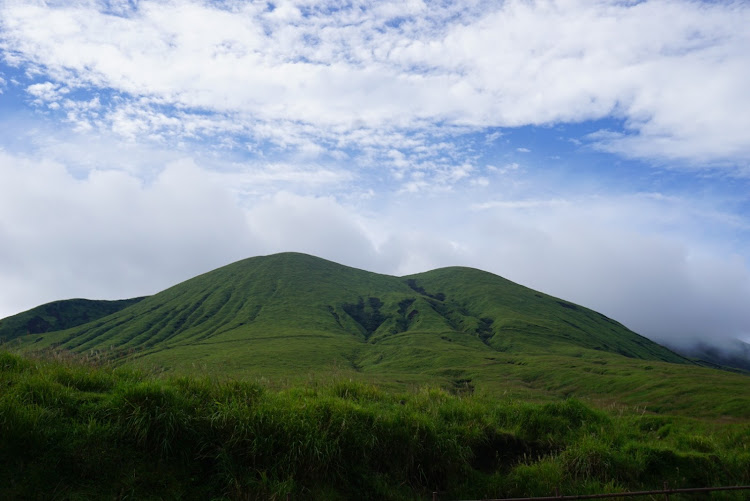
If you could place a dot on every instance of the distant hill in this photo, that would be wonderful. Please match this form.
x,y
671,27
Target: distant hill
x,y
292,317
59,315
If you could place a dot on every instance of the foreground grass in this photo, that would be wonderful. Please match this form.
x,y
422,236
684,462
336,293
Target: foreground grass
x,y
70,430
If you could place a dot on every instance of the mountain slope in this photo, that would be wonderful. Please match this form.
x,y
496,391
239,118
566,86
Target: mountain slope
x,y
59,315
520,319
290,294
271,302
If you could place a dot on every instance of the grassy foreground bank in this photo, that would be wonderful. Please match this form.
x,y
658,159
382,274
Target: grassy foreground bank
x,y
69,430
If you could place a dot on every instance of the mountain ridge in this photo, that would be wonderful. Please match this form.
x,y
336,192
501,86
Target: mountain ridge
x,y
302,293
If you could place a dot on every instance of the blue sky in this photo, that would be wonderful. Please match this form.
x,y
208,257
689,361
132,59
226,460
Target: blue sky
x,y
595,150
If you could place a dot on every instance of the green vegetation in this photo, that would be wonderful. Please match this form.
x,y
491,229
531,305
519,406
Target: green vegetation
x,y
291,318
59,315
70,430
289,374
288,295
262,315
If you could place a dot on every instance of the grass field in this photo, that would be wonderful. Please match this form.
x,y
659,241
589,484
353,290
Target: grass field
x,y
71,430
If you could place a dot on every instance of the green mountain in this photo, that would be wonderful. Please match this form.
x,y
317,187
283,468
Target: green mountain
x,y
59,315
290,295
292,317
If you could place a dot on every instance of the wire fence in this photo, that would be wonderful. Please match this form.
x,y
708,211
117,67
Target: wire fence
x,y
666,492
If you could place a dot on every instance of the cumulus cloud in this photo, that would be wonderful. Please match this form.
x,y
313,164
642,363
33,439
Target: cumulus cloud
x,y
130,220
46,91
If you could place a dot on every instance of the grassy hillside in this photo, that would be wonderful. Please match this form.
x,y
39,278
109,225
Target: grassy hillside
x,y
521,320
291,318
291,295
73,431
59,315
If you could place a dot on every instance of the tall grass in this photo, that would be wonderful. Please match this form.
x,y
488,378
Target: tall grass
x,y
75,431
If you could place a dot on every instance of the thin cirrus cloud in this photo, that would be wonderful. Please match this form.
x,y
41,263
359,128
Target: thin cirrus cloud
x,y
596,150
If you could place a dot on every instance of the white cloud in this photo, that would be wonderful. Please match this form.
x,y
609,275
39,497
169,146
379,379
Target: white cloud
x,y
48,93
655,274
109,235
519,204
490,138
675,71
312,224
91,217
505,169
256,180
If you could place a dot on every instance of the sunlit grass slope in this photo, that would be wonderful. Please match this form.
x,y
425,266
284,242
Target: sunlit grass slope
x,y
294,295
292,317
287,309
